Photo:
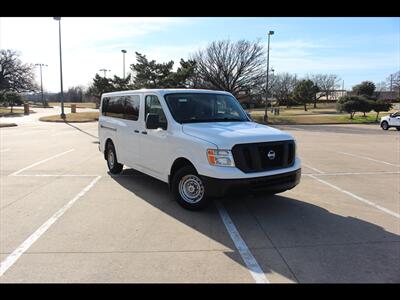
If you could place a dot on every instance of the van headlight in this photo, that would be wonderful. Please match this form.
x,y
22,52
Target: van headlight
x,y
222,158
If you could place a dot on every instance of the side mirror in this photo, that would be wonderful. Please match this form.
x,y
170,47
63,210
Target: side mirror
x,y
391,115
152,121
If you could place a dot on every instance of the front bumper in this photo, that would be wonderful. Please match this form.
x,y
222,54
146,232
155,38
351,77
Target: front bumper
x,y
274,183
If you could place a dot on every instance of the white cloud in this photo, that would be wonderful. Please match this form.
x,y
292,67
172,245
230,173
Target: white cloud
x,y
88,44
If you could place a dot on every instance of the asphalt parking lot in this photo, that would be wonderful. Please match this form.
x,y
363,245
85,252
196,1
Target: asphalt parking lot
x,y
64,218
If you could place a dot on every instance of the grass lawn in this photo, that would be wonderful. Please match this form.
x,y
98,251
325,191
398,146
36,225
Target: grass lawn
x,y
6,111
78,104
323,114
73,118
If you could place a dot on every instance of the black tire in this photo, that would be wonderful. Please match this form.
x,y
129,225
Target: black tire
x,y
112,162
184,179
398,128
385,125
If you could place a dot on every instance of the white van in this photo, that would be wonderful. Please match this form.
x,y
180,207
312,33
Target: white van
x,y
201,142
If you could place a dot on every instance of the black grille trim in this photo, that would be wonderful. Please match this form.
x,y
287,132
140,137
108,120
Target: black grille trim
x,y
251,158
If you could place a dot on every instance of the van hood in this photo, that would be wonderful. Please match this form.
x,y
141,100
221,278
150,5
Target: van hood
x,y
227,134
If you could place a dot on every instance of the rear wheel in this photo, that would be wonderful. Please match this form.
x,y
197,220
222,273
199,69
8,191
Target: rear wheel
x,y
385,125
398,128
112,163
188,189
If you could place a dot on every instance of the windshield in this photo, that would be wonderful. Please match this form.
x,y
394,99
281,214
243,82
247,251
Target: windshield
x,y
205,107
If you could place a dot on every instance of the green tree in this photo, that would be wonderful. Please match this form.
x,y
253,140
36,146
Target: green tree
x,y
348,104
150,74
379,106
365,88
353,104
305,92
11,99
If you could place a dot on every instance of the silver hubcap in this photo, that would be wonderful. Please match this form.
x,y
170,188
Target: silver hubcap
x,y
191,188
111,159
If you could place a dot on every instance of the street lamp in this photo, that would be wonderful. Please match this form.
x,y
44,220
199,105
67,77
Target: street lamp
x,y
41,80
266,98
105,72
123,61
61,78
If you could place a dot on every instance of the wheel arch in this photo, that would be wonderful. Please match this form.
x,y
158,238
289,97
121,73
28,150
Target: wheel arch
x,y
177,164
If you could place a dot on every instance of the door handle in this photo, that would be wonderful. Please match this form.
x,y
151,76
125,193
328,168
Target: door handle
x,y
136,131
144,132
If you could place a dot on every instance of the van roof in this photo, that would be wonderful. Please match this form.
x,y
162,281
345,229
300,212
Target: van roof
x,y
165,91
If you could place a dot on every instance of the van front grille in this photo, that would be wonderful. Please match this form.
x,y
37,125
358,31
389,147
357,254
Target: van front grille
x,y
259,157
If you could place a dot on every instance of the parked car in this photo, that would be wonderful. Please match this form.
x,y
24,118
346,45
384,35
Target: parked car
x,y
201,142
392,120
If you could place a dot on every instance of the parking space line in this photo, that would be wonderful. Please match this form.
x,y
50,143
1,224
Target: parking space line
x,y
314,169
392,213
368,158
55,175
16,254
248,258
353,173
40,162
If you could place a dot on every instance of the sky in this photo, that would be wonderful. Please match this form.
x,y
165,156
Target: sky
x,y
354,48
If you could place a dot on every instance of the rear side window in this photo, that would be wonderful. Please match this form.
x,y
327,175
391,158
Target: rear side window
x,y
123,107
132,105
115,107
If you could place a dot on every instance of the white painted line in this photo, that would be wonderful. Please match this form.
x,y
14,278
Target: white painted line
x,y
251,263
392,213
368,158
16,254
295,128
4,150
40,162
314,169
352,173
55,175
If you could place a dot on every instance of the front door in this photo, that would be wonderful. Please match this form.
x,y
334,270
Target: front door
x,y
154,142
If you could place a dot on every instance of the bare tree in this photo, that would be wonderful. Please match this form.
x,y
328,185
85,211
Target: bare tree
x,y
230,66
282,88
327,83
14,75
394,82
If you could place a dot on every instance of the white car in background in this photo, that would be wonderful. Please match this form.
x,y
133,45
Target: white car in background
x,y
392,120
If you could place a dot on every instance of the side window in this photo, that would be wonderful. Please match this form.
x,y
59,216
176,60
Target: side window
x,y
115,107
132,105
153,106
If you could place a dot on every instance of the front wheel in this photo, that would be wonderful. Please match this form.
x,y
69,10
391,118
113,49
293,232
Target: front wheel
x,y
385,125
188,189
398,128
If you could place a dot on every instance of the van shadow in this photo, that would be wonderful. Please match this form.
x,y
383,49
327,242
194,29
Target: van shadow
x,y
303,242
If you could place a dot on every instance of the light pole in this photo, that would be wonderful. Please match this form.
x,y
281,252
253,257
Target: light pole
x,y
41,80
105,72
123,61
61,78
266,98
